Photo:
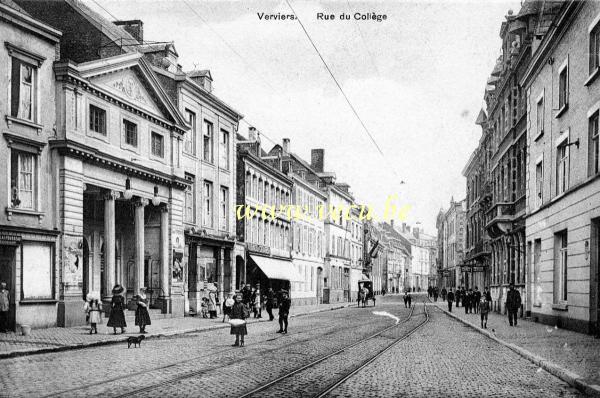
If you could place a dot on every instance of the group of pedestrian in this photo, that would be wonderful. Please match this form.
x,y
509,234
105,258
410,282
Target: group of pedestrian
x,y
116,319
475,301
249,299
433,291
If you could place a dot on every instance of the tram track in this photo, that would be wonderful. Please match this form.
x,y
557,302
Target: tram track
x,y
76,391
264,389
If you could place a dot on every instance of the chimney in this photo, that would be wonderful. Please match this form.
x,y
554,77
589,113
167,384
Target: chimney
x,y
392,222
403,227
134,27
317,159
252,136
416,232
286,146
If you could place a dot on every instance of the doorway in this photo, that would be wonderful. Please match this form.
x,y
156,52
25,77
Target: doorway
x,y
7,273
319,285
594,254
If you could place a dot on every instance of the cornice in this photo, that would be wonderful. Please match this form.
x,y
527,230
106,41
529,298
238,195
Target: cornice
x,y
92,155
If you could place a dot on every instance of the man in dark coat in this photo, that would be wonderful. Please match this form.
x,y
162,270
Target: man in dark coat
x,y
444,294
513,303
435,294
476,299
247,295
270,302
450,300
466,296
284,311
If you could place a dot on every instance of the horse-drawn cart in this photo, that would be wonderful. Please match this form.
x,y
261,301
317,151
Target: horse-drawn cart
x,y
365,293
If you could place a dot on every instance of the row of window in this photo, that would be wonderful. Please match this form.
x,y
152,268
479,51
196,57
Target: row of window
x,y
562,177
560,270
207,206
340,278
308,240
308,202
265,192
97,124
190,141
308,285
508,265
267,233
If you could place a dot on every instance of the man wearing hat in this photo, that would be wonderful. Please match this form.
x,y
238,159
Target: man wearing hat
x,y
4,307
513,304
284,311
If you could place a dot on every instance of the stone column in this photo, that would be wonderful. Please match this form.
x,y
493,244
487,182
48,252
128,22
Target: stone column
x,y
221,265
138,276
109,243
164,259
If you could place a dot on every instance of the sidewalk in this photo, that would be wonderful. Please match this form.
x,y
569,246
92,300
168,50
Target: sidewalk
x,y
61,339
571,356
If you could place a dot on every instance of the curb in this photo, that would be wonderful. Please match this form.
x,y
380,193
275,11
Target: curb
x,y
46,350
573,379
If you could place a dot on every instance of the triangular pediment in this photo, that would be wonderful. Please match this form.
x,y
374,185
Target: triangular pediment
x,y
127,85
130,79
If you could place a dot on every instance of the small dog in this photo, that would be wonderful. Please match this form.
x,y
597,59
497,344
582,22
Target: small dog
x,y
136,341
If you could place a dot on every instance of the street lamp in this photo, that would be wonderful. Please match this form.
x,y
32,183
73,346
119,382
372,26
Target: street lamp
x,y
155,198
128,193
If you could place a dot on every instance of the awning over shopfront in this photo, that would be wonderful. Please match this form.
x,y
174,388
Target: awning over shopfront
x,y
277,269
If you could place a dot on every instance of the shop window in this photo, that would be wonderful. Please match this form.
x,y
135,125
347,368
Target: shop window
x,y
37,267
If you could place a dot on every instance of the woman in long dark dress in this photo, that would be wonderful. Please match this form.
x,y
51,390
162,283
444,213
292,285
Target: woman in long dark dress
x,y
142,317
117,316
239,311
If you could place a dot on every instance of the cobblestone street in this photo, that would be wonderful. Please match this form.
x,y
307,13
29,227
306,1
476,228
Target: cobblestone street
x,y
443,358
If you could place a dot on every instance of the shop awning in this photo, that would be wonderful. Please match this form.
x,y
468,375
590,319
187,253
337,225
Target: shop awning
x,y
277,269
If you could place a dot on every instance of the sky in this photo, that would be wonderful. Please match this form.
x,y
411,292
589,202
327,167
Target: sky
x,y
415,79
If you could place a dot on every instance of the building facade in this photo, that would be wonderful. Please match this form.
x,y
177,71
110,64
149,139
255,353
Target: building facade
x,y
208,160
308,227
29,232
451,238
262,191
563,184
479,194
507,124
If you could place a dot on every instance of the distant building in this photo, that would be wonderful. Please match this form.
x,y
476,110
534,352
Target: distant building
x,y
451,241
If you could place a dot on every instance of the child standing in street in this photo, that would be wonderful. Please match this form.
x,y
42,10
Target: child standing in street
x,y
238,316
93,309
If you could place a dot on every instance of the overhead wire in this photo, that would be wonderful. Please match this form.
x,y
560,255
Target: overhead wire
x,y
335,80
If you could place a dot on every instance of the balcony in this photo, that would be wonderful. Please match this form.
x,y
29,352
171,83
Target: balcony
x,y
499,219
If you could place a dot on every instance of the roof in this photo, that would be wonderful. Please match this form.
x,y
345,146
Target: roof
x,y
112,31
156,47
14,6
200,73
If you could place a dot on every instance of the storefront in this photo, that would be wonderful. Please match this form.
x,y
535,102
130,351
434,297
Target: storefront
x,y
28,265
272,272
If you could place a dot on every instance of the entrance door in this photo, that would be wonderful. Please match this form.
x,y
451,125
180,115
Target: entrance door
x,y
7,263
86,268
152,279
320,285
594,252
